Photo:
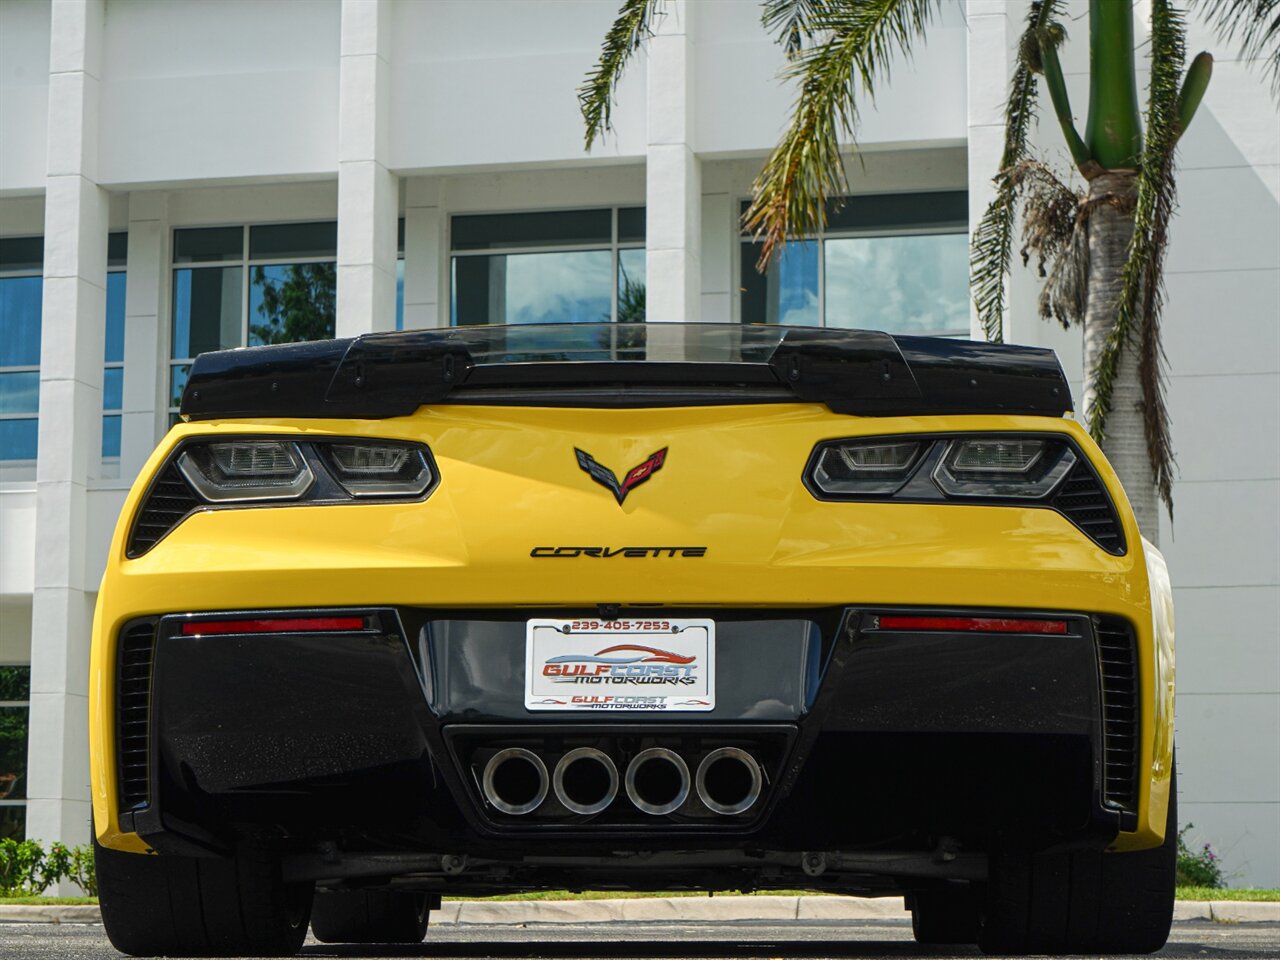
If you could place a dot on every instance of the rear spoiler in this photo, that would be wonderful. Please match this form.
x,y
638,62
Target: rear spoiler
x,y
862,372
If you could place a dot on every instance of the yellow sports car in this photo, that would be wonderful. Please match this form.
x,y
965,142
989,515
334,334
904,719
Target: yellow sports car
x,y
627,607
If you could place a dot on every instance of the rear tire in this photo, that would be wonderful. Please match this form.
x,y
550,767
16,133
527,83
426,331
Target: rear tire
x,y
201,906
1085,902
370,916
947,915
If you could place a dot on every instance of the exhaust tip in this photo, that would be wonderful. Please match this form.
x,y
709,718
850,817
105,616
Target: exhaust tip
x,y
515,781
657,781
585,780
729,781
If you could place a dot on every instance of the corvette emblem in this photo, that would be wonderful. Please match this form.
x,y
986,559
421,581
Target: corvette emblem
x,y
635,476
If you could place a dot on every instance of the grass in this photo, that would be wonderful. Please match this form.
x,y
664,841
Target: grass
x,y
1184,893
1212,893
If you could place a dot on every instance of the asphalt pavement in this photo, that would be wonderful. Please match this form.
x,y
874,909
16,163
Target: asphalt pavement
x,y
800,939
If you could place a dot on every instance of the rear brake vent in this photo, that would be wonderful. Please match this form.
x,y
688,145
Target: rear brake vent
x,y
1118,671
1084,501
166,504
136,655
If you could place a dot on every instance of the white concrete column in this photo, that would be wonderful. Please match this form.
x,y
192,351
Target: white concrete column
x,y
72,338
423,260
368,193
673,182
718,248
993,26
146,354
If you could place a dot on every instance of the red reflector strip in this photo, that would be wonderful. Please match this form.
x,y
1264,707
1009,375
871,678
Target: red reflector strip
x,y
275,625
974,624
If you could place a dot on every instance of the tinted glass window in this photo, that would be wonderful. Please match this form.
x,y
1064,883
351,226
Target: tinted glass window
x,y
559,228
286,241
788,292
111,436
208,244
22,253
293,302
206,309
910,284
20,321
114,351
533,288
18,439
19,392
631,225
117,249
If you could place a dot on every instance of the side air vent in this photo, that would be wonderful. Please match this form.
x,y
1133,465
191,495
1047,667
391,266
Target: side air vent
x,y
165,505
1118,671
1084,501
136,655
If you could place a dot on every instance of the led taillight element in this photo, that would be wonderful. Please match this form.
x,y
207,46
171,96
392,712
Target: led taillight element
x,y
275,625
972,624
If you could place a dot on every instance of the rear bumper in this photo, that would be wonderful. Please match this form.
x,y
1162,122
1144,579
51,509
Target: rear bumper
x,y
896,734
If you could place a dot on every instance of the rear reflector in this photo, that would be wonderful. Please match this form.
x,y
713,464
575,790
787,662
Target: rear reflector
x,y
973,624
275,625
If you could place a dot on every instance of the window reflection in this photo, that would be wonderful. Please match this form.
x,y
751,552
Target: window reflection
x,y
908,284
20,321
292,302
206,309
533,288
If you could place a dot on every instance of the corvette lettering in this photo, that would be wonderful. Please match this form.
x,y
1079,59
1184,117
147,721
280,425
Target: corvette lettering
x,y
605,553
635,476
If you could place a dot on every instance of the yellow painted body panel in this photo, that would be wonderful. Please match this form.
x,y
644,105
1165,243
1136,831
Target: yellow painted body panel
x,y
731,482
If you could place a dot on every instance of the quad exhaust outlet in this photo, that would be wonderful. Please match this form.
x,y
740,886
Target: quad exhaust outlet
x,y
515,781
657,781
586,781
729,781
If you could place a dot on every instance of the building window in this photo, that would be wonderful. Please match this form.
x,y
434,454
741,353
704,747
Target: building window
x,y
113,355
21,289
550,267
238,286
894,262
15,713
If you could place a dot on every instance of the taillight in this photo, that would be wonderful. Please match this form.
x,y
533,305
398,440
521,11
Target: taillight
x,y
375,469
926,624
1018,468
273,625
865,467
240,470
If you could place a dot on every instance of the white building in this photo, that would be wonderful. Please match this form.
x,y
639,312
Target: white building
x,y
164,164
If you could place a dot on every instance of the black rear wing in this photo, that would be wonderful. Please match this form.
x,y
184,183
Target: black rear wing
x,y
862,372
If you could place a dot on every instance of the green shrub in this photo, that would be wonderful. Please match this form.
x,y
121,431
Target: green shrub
x,y
27,870
1201,868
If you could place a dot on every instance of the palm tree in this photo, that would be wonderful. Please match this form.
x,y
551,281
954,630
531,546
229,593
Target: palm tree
x,y
1101,250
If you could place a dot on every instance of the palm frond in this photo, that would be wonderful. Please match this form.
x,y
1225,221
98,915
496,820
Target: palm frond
x,y
1054,233
1255,25
858,38
791,21
634,25
990,255
1142,290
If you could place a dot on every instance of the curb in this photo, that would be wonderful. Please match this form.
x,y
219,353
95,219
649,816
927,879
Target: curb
x,y
677,910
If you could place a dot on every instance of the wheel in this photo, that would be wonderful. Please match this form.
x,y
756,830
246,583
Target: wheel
x,y
947,915
1085,902
201,906
370,916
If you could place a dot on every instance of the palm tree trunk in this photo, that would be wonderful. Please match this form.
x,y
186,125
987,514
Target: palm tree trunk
x,y
1111,197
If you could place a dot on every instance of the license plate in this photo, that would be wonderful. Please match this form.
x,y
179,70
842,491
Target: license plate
x,y
633,665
